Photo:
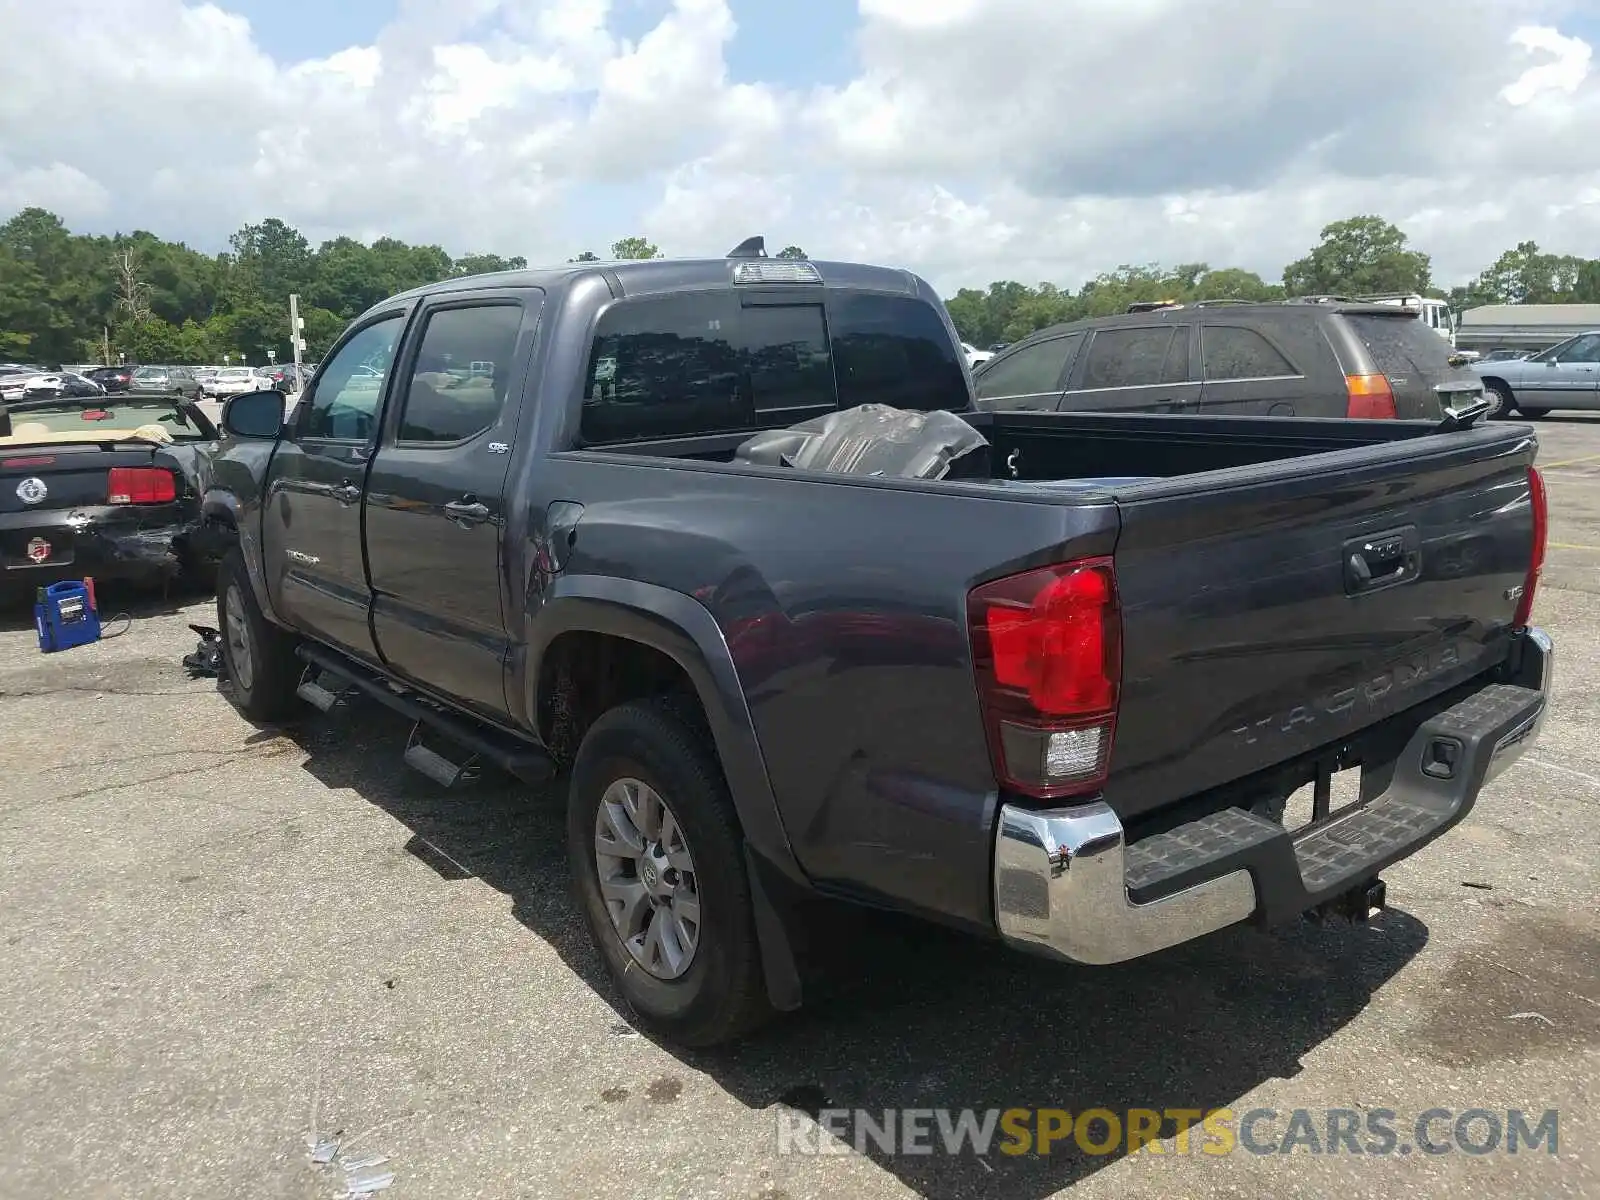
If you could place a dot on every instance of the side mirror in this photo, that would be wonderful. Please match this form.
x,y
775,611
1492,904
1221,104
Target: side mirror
x,y
257,415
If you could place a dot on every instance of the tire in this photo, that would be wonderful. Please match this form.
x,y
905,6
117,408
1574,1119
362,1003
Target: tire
x,y
263,680
718,993
1505,402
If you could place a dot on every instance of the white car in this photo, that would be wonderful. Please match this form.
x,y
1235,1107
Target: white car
x,y
975,356
233,381
48,385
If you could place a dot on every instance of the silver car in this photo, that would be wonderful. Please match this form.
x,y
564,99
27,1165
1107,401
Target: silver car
x,y
1565,376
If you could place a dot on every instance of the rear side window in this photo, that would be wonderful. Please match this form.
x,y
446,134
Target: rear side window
x,y
462,372
1414,357
895,350
665,367
791,368
1233,352
1128,357
1030,371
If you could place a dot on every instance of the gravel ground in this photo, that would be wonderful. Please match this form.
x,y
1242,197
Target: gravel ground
x,y
219,939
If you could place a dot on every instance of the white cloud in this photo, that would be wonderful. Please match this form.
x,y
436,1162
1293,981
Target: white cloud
x,y
1563,76
978,139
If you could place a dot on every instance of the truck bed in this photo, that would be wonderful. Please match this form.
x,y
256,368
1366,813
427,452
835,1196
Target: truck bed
x,y
1247,648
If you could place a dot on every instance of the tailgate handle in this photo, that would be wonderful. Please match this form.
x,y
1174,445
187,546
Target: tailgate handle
x,y
1382,560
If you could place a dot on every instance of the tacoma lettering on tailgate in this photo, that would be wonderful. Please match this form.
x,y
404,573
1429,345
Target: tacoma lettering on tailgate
x,y
1370,694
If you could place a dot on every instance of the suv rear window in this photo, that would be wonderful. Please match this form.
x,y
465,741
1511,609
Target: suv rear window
x,y
1414,357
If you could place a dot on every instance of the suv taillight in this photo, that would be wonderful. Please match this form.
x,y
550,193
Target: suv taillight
x,y
1541,534
1371,397
1047,651
140,485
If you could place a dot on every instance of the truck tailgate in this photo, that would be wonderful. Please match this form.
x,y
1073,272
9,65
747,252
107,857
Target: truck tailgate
x,y
1270,610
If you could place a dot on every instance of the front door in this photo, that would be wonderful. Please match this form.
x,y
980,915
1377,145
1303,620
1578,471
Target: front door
x,y
1565,376
1142,368
1028,378
311,522
436,495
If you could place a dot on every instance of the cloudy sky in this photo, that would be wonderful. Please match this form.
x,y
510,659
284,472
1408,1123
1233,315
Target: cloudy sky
x,y
968,139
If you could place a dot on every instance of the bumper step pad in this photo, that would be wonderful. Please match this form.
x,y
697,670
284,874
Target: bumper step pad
x,y
1466,745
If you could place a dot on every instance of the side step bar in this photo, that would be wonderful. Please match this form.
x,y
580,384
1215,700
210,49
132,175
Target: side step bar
x,y
330,679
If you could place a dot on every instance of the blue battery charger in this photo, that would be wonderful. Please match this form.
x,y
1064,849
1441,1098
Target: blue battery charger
x,y
65,615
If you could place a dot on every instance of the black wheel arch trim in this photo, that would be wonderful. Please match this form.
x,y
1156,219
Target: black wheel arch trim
x,y
681,628
218,503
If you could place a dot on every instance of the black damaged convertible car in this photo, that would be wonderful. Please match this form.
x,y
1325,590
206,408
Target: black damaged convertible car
x,y
102,486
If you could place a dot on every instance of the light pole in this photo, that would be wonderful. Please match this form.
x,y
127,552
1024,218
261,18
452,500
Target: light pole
x,y
297,325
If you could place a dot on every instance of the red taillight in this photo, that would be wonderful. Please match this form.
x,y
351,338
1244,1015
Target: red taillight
x,y
1541,535
1371,397
140,485
1047,649
37,460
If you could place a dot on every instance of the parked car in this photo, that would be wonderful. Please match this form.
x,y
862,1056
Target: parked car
x,y
165,381
1565,376
991,683
111,492
113,379
1307,359
233,381
46,384
974,355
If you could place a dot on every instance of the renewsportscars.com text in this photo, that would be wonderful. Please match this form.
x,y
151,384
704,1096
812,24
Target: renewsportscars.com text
x,y
1375,1132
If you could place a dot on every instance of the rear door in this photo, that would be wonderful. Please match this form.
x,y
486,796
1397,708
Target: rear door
x,y
1138,368
1249,638
1030,377
436,494
311,521
1246,371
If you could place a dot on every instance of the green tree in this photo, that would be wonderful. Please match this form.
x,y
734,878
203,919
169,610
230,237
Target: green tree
x,y
792,252
634,247
586,256
1359,256
1526,275
483,264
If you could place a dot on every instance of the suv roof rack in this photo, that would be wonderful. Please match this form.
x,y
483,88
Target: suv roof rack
x,y
751,247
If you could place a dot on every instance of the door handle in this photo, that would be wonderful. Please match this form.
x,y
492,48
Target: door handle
x,y
467,511
347,493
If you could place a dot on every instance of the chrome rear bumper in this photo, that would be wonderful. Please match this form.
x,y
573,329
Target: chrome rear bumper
x,y
1061,878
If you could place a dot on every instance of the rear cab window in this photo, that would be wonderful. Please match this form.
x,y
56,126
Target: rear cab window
x,y
665,366
701,363
1414,357
895,350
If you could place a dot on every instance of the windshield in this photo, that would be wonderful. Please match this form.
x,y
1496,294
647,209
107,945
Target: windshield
x,y
150,373
236,373
1560,348
100,419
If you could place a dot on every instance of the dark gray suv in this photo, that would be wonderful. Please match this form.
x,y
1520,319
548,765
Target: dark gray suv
x,y
1312,358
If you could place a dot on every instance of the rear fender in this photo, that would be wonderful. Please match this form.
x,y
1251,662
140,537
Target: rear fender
x,y
681,628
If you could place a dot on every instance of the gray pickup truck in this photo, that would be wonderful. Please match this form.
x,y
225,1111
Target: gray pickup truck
x,y
1055,692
